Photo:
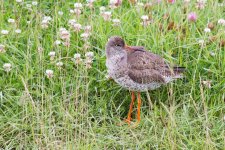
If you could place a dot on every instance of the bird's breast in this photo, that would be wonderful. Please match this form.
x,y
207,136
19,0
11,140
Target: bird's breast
x,y
117,66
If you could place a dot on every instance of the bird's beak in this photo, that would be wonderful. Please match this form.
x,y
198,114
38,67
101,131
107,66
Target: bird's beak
x,y
128,48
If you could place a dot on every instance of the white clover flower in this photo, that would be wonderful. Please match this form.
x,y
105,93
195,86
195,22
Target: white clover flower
x,y
10,20
51,54
48,18
71,11
72,22
88,63
57,42
116,22
39,49
212,54
202,1
66,43
89,59
5,32
86,45
7,67
34,3
19,1
78,5
102,9
64,34
77,58
87,29
207,83
221,22
187,1
77,27
200,4
44,21
18,31
60,13
59,64
207,30
140,4
90,1
2,48
85,36
28,21
44,24
77,12
28,5
144,18
49,73
89,55
62,29
201,43
107,15
112,2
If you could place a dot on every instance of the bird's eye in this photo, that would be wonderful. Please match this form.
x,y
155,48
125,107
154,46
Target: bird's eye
x,y
117,45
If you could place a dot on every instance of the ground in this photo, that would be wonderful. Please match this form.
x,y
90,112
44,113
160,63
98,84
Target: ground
x,y
74,106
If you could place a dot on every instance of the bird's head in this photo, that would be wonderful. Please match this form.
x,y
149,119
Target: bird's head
x,y
115,45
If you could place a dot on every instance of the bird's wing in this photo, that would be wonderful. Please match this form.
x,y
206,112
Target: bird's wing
x,y
145,67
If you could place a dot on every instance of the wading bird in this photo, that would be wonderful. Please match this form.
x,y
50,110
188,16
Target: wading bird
x,y
136,69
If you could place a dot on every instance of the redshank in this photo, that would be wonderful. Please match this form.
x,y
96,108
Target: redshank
x,y
137,70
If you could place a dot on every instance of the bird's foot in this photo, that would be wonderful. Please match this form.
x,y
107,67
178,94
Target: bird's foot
x,y
135,124
127,121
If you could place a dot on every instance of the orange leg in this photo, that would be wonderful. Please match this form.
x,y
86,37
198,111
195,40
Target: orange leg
x,y
131,108
138,111
139,108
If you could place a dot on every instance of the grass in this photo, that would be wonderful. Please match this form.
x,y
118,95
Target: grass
x,y
80,109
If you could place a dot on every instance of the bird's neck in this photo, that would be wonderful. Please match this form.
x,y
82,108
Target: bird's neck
x,y
118,59
116,65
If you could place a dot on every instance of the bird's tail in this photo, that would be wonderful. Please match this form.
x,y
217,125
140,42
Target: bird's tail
x,y
178,72
174,73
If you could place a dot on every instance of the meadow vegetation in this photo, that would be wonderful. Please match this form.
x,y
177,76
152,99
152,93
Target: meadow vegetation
x,y
54,93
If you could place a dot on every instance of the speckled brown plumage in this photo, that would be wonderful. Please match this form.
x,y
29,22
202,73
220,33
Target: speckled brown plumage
x,y
136,69
140,69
